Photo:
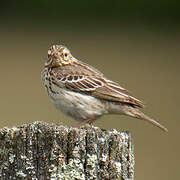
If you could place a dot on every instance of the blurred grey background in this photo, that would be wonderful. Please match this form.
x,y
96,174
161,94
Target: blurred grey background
x,y
136,43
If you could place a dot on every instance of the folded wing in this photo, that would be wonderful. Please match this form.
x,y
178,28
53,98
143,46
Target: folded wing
x,y
99,87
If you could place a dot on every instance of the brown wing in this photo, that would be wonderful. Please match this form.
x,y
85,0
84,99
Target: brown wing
x,y
97,86
114,92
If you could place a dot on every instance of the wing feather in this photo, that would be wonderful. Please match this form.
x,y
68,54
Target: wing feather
x,y
99,87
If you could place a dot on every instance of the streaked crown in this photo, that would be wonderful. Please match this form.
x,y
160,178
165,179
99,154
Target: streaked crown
x,y
58,55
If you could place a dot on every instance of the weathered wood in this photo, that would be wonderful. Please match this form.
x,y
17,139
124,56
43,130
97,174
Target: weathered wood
x,y
48,151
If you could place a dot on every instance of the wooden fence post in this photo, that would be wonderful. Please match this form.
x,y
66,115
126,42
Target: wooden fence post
x,y
41,151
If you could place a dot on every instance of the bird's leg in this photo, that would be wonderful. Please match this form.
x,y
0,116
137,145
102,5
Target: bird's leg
x,y
89,121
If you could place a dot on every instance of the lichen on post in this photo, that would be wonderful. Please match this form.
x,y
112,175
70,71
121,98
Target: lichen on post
x,y
50,151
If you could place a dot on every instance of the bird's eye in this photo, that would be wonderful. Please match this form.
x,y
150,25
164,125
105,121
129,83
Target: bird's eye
x,y
65,55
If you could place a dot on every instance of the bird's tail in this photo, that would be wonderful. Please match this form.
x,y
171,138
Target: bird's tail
x,y
135,112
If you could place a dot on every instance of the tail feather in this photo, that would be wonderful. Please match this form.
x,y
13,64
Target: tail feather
x,y
135,112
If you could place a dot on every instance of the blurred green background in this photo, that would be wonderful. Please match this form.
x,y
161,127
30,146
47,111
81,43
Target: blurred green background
x,y
136,43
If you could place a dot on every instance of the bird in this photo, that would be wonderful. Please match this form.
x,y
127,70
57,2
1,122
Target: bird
x,y
82,92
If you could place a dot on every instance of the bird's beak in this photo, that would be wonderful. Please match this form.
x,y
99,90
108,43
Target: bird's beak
x,y
52,60
50,63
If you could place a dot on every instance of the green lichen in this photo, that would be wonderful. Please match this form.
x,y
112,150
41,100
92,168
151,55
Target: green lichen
x,y
11,158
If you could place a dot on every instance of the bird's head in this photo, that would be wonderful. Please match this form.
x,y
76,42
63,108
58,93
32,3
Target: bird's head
x,y
58,55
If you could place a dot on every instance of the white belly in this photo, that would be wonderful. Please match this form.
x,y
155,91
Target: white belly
x,y
78,106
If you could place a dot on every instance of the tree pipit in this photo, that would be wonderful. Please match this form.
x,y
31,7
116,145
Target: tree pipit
x,y
84,93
